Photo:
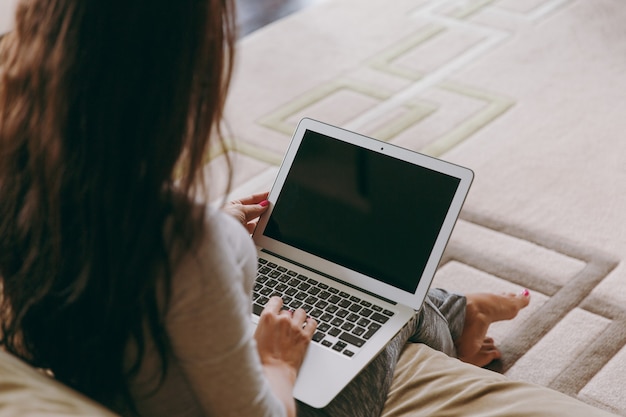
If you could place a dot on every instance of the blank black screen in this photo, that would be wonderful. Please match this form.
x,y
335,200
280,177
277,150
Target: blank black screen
x,y
362,209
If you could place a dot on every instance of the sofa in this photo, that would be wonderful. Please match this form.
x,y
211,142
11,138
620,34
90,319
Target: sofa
x,y
427,383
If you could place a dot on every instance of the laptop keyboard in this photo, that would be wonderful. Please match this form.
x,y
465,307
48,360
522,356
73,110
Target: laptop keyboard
x,y
345,322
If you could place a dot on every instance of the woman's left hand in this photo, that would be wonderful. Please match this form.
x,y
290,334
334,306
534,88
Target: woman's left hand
x,y
247,210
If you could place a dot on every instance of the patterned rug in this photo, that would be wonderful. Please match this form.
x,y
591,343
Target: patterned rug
x,y
531,95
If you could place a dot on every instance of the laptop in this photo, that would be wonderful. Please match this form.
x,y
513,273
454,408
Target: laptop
x,y
354,233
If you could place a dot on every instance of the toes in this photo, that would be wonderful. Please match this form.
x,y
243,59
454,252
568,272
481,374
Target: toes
x,y
483,354
524,297
484,357
488,354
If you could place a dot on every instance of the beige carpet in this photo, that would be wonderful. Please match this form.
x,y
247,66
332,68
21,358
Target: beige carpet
x,y
531,95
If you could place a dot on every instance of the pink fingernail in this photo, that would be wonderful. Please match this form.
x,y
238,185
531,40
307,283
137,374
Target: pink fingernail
x,y
264,203
525,293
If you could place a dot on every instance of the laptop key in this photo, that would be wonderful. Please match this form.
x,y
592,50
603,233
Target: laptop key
x,y
324,295
332,308
339,346
352,339
257,309
334,331
371,329
363,322
370,332
347,326
318,336
352,317
323,327
274,274
337,322
358,331
314,290
355,308
333,299
379,318
326,317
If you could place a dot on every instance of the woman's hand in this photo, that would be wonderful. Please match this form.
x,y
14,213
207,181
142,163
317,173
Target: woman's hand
x,y
247,210
283,335
282,338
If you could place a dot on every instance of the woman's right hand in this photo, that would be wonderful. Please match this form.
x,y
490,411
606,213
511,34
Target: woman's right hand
x,y
282,337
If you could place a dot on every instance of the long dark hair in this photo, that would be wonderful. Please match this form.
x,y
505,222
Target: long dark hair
x,y
106,109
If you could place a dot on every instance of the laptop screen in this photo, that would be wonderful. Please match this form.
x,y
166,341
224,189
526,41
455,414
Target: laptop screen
x,y
361,209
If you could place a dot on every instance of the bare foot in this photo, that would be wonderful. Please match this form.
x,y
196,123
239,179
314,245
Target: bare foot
x,y
473,346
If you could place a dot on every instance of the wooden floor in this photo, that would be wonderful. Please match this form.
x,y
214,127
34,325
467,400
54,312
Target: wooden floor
x,y
254,14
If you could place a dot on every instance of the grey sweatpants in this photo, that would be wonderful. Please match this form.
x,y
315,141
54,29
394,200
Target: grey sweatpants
x,y
438,324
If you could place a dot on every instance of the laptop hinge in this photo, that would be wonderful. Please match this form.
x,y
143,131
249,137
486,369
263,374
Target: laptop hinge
x,y
330,277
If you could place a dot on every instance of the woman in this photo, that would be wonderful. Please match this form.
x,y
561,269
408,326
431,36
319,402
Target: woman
x,y
116,276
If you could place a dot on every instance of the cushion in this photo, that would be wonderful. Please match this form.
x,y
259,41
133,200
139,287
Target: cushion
x,y
27,392
429,383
